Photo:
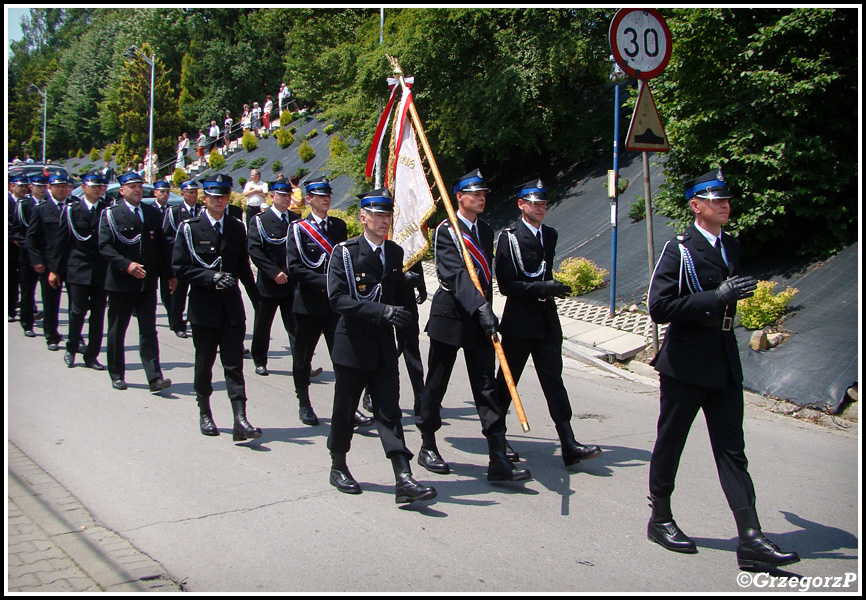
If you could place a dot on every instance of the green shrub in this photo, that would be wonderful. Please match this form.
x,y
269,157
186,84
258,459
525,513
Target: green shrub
x,y
239,163
313,133
108,154
71,153
249,142
265,134
329,130
637,211
94,154
337,146
216,161
284,138
353,224
276,166
178,177
764,307
581,274
258,162
306,152
286,118
242,181
80,153
292,129
301,172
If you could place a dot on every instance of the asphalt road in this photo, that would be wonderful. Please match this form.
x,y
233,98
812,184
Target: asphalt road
x,y
261,517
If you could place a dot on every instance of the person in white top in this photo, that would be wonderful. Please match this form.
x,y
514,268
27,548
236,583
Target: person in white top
x,y
284,97
255,192
266,115
214,134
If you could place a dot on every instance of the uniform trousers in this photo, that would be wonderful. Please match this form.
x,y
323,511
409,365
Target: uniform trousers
x,y
229,341
723,409
50,308
480,363
29,278
409,347
120,308
383,384
83,298
547,357
165,295
13,276
178,304
308,330
264,320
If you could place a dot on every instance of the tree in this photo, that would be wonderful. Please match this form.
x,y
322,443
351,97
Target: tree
x,y
768,95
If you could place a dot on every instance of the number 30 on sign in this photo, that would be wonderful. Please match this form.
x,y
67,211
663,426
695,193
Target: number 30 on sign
x,y
640,41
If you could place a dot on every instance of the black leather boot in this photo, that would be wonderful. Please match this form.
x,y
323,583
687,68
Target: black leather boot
x,y
754,550
340,477
407,489
500,468
205,420
305,410
243,430
663,530
572,451
429,457
361,420
511,453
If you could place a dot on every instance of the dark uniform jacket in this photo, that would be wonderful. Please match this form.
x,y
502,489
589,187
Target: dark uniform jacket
x,y
311,294
177,214
696,349
123,239
20,224
42,234
196,250
528,312
266,242
77,251
363,338
451,312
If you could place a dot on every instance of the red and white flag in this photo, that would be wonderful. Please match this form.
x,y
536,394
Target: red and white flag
x,y
376,146
413,200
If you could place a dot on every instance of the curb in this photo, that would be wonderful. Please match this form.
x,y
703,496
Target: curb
x,y
54,543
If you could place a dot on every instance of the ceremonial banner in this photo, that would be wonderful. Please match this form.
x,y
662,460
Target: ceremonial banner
x,y
376,146
413,200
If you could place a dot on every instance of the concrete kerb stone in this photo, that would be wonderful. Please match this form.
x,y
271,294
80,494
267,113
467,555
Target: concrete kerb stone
x,y
56,538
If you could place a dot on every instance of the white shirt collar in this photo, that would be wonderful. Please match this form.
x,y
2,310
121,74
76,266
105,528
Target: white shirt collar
x,y
466,222
710,237
88,204
278,213
532,229
212,220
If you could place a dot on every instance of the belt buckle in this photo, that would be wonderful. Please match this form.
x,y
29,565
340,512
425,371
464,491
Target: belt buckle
x,y
727,323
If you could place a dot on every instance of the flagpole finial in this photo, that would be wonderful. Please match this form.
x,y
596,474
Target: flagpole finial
x,y
395,65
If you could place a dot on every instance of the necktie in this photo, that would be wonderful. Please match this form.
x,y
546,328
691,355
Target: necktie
x,y
538,237
139,215
379,256
324,225
718,249
218,228
283,219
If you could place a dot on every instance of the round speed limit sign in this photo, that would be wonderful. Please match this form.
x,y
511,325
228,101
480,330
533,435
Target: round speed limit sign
x,y
640,41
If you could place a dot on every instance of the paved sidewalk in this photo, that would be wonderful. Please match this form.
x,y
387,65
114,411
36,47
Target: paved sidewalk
x,y
54,545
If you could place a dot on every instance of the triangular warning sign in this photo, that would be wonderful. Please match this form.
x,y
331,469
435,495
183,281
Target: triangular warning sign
x,y
646,132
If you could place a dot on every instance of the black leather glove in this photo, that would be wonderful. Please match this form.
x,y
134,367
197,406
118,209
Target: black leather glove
x,y
223,280
421,296
487,319
556,289
397,316
412,278
735,289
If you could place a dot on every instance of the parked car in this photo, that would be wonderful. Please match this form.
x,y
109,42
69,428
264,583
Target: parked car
x,y
113,191
30,169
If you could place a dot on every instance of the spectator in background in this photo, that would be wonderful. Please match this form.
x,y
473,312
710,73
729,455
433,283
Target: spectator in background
x,y
181,153
269,108
227,130
255,192
283,97
245,118
201,144
297,204
214,135
256,118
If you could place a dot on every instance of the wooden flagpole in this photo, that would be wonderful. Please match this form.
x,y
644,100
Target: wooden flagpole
x,y
467,258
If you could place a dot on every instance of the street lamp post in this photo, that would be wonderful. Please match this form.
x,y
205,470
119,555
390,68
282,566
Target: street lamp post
x,y
131,54
44,95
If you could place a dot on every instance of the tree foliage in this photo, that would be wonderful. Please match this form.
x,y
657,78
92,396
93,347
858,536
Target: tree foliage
x,y
770,96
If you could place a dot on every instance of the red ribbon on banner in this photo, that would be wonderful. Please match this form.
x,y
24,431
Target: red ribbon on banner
x,y
376,146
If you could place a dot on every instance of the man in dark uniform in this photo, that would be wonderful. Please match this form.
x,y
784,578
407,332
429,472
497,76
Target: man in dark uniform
x,y
365,277
462,317
17,192
133,243
176,215
24,208
530,324
695,288
266,239
210,255
42,237
76,259
308,249
161,191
